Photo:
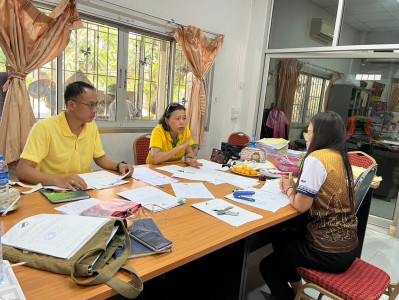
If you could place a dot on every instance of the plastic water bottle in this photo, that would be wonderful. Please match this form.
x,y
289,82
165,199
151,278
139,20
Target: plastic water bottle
x,y
1,259
4,193
252,144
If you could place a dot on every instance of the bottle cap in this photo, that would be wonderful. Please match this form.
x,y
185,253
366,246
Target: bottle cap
x,y
1,157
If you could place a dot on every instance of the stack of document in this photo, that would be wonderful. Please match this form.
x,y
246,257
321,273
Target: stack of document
x,y
102,180
56,235
152,177
357,171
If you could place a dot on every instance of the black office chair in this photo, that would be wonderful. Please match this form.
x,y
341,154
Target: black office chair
x,y
362,184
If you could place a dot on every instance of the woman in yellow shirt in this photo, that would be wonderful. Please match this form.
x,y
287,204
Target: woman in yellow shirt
x,y
171,139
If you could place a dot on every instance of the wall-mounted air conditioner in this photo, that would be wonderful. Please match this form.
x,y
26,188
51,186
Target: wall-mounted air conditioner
x,y
321,31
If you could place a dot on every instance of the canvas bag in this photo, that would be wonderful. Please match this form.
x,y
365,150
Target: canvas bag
x,y
81,263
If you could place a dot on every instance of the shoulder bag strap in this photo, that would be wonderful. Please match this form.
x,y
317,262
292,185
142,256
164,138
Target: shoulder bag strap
x,y
107,275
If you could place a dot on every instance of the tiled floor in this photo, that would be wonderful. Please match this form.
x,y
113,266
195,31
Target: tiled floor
x,y
379,249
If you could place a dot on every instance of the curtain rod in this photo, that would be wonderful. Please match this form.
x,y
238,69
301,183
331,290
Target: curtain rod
x,y
316,66
171,21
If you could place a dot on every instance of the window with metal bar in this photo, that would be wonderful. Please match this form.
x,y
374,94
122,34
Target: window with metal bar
x,y
309,97
130,70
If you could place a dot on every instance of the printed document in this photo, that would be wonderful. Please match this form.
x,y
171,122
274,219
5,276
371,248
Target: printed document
x,y
56,235
244,216
192,191
264,200
152,177
76,207
151,198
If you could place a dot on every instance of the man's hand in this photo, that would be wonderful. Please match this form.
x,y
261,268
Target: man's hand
x,y
72,182
124,168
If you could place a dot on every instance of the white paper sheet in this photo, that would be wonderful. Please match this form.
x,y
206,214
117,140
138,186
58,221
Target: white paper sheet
x,y
102,179
152,177
97,180
170,168
244,216
212,165
264,200
76,207
192,191
57,235
149,196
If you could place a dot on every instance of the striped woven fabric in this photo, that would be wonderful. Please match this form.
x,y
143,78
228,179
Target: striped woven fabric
x,y
361,281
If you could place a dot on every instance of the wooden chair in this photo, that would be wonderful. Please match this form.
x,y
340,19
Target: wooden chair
x,y
239,138
141,147
361,159
361,281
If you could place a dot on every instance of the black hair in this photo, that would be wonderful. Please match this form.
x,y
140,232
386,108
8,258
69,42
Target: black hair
x,y
75,89
168,111
329,132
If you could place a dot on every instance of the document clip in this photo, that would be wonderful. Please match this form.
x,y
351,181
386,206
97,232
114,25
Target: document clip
x,y
244,195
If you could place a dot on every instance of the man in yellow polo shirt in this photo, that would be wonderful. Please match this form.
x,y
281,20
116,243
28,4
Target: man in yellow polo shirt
x,y
67,143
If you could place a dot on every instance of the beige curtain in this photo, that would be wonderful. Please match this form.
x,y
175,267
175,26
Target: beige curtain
x,y
201,54
29,40
287,79
393,96
334,78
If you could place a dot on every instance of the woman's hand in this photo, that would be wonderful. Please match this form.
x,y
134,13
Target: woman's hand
x,y
193,162
287,184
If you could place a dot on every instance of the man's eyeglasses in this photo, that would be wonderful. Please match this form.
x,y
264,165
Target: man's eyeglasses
x,y
92,106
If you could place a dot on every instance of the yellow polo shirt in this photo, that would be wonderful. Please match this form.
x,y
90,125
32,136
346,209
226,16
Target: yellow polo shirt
x,y
161,139
56,150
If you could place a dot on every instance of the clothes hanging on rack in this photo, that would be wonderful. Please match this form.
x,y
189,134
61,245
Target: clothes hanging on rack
x,y
278,121
266,132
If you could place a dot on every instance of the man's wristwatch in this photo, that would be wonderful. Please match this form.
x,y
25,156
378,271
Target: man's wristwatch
x,y
117,166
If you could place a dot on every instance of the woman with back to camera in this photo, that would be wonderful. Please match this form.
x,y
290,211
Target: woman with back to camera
x,y
324,192
171,139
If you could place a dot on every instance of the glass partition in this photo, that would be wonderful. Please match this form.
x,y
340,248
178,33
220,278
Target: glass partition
x,y
357,89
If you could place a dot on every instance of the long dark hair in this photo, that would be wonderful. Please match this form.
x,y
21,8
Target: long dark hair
x,y
329,133
168,111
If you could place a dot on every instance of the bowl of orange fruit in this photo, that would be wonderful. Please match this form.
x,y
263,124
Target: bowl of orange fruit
x,y
245,170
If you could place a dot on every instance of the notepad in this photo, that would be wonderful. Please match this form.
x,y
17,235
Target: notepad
x,y
64,196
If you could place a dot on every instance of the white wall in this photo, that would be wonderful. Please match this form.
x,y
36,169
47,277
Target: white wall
x,y
237,69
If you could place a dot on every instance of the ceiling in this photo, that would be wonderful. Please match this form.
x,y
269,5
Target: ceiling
x,y
366,15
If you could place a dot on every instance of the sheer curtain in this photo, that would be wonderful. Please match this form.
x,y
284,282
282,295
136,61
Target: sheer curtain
x,y
29,40
334,78
201,54
287,79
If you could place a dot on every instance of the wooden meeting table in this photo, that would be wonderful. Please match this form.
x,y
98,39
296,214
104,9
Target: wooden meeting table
x,y
209,257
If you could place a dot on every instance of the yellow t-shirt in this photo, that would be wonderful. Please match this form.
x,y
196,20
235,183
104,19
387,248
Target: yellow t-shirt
x,y
56,150
161,139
